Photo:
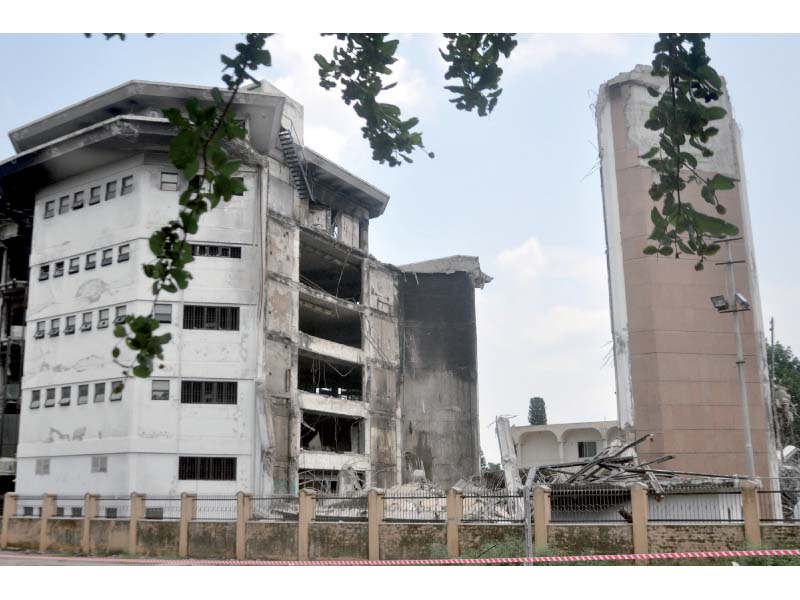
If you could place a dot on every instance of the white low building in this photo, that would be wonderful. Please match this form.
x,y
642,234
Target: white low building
x,y
538,445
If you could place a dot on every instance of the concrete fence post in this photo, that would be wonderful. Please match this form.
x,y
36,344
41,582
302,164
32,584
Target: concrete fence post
x,y
751,513
188,512
541,516
244,512
9,510
137,512
307,509
48,511
639,519
455,512
375,517
91,508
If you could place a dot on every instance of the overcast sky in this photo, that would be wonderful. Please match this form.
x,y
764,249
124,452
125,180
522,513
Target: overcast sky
x,y
520,189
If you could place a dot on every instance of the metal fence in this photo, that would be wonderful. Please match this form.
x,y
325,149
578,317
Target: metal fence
x,y
275,508
165,508
693,504
114,507
590,504
331,507
422,506
215,508
492,507
69,506
779,500
29,506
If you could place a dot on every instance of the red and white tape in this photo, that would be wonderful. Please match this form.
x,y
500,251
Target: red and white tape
x,y
413,562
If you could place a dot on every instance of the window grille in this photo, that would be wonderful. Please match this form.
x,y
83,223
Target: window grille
x,y
43,466
207,468
219,251
211,317
99,464
76,511
209,392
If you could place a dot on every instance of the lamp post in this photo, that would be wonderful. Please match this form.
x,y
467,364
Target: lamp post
x,y
735,305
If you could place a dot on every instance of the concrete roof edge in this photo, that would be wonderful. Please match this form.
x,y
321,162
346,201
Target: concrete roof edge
x,y
457,263
577,425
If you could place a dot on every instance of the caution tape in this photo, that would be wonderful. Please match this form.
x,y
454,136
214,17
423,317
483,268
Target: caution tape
x,y
415,562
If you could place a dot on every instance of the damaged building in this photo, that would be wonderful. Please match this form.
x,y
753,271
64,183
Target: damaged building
x,y
297,358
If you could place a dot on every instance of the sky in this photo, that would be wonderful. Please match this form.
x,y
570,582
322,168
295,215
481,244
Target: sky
x,y
520,188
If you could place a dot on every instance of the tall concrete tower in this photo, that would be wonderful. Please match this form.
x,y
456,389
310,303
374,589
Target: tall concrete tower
x,y
675,356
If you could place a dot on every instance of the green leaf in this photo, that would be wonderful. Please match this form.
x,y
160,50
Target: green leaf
x,y
650,153
650,250
665,250
722,182
715,112
119,331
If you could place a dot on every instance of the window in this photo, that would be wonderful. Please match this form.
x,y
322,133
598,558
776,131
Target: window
x,y
74,265
49,209
99,464
77,200
587,449
54,327
160,389
107,257
127,185
59,511
59,269
153,512
119,314
43,466
83,393
50,397
40,325
99,392
163,313
221,251
102,319
69,325
208,392
94,195
211,317
63,205
111,513
217,468
124,253
66,395
91,261
76,511
86,323
44,272
111,190
240,180
116,391
36,396
169,182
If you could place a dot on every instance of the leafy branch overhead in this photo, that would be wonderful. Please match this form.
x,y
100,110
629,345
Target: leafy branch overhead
x,y
683,115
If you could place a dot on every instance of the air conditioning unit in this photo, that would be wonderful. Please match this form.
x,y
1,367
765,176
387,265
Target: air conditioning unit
x,y
69,330
102,323
86,327
74,269
119,320
38,335
53,332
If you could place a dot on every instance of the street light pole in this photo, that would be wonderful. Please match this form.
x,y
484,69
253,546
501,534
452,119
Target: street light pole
x,y
748,441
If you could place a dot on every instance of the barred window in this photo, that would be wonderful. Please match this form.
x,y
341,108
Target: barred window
x,y
83,393
169,181
59,270
94,195
76,511
209,392
50,397
77,200
221,251
207,468
99,392
127,185
111,190
66,395
211,317
43,466
35,398
160,389
49,209
63,205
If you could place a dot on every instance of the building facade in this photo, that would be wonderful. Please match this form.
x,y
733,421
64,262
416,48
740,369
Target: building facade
x,y
675,355
554,443
297,359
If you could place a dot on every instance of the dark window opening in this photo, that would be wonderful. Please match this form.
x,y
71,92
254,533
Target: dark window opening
x,y
209,392
331,482
329,378
587,449
219,251
207,468
329,270
211,317
77,200
330,323
331,433
94,195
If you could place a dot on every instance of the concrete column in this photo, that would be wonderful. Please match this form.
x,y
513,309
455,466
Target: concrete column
x,y
751,514
455,510
91,507
137,512
307,508
375,517
639,518
541,516
244,511
9,510
48,511
188,512
561,451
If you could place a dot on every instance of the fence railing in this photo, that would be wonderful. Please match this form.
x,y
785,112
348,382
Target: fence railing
x,y
492,507
164,508
590,504
215,508
275,508
69,507
689,504
114,507
426,506
779,500
351,507
29,506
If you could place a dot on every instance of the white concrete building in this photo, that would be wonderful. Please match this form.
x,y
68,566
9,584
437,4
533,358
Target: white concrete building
x,y
538,445
285,366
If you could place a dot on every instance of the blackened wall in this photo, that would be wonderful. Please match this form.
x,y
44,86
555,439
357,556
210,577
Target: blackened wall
x,y
439,387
